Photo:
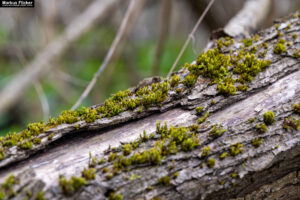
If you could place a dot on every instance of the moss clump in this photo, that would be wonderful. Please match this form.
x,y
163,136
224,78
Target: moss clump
x,y
68,187
211,162
89,174
280,47
26,145
126,149
165,180
203,119
205,151
40,196
252,120
296,108
289,123
112,156
261,128
175,175
242,88
223,155
247,42
234,175
217,131
189,80
236,149
199,110
269,117
113,196
257,141
175,80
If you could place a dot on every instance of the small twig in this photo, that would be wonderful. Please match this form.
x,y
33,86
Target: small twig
x,y
43,100
166,7
190,36
71,79
126,26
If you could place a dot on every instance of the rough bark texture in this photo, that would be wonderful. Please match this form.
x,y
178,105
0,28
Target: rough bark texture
x,y
269,171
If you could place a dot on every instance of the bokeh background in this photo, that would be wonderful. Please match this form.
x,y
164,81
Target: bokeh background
x,y
24,32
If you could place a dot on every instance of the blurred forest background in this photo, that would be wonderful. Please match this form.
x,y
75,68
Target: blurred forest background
x,y
151,48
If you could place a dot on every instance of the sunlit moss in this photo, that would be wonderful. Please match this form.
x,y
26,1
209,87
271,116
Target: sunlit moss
x,y
205,151
89,174
175,80
203,119
269,117
290,123
236,149
217,131
280,47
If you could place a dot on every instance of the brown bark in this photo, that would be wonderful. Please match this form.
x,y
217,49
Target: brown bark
x,y
270,171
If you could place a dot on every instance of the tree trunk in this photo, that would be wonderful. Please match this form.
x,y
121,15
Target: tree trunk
x,y
244,162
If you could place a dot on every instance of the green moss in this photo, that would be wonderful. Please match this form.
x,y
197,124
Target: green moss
x,y
217,131
190,143
26,145
289,123
175,80
269,117
223,155
194,127
203,119
36,141
234,175
114,196
252,120
199,110
165,180
296,108
296,54
261,128
226,89
257,141
280,47
50,137
175,175
189,80
211,162
205,151
40,196
247,42
112,156
68,187
236,149
126,149
243,87
89,174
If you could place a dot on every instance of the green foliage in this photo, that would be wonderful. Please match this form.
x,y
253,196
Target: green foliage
x,y
247,42
190,80
126,149
269,117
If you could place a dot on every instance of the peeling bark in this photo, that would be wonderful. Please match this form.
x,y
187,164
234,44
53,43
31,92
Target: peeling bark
x,y
268,171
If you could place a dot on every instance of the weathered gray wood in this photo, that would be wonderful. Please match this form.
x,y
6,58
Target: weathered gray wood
x,y
268,171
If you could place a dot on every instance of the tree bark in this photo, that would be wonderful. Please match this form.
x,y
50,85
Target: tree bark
x,y
267,171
